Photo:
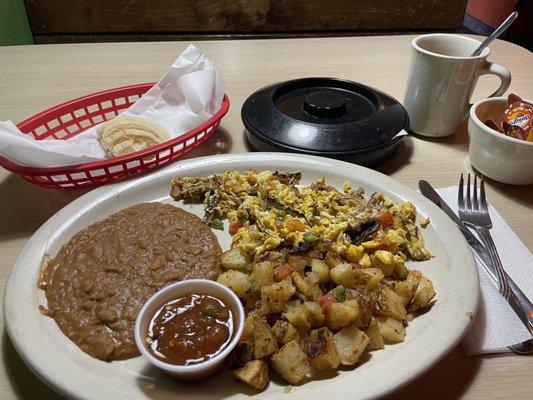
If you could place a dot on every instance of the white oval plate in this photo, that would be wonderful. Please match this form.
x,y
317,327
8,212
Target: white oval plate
x,y
62,365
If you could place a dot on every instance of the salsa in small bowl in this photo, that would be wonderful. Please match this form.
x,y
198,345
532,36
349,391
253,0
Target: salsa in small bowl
x,y
189,328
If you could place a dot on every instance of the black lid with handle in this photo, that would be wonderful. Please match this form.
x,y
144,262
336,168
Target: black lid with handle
x,y
324,116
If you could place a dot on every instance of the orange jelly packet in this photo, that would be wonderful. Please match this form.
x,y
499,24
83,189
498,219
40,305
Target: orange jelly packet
x,y
517,118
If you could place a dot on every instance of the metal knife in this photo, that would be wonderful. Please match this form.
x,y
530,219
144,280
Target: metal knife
x,y
522,303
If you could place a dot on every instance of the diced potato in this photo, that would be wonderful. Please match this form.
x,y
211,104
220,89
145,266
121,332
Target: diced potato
x,y
291,362
285,332
391,330
375,339
249,324
313,277
297,314
344,274
262,275
423,295
332,259
414,276
320,268
384,260
350,343
352,303
305,286
265,342
300,284
250,299
297,262
405,289
320,348
368,277
242,354
236,259
400,270
254,373
316,314
273,297
276,258
389,304
364,306
339,315
237,281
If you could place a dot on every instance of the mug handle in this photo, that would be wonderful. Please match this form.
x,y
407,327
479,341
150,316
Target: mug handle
x,y
501,72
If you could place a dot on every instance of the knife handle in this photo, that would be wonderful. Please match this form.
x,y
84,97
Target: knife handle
x,y
516,298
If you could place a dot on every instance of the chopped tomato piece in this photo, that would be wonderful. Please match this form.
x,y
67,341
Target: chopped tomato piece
x,y
234,227
326,301
384,245
282,271
294,224
385,219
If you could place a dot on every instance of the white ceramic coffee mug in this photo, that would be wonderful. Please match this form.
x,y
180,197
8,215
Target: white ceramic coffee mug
x,y
441,80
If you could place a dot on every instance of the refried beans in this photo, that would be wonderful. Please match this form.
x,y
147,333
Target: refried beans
x,y
100,279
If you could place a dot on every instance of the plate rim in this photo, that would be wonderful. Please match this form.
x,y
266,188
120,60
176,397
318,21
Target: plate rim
x,y
90,199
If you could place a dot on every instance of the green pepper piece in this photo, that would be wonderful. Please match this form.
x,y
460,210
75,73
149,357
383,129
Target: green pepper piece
x,y
217,224
309,237
340,294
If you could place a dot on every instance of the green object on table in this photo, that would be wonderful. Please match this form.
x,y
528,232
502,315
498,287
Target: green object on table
x,y
14,24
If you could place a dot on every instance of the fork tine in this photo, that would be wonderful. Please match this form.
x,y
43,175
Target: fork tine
x,y
483,199
468,199
475,203
460,194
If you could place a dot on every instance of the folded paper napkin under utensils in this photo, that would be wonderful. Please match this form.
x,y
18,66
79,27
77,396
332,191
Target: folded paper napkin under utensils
x,y
189,93
496,326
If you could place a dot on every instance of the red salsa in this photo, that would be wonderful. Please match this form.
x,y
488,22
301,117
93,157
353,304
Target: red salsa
x,y
190,330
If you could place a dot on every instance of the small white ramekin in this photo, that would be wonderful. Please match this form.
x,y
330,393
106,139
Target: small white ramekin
x,y
495,155
175,291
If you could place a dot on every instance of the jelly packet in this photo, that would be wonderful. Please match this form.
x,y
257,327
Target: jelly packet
x,y
517,118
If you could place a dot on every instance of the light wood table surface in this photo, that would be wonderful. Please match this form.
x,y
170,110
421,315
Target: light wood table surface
x,y
33,78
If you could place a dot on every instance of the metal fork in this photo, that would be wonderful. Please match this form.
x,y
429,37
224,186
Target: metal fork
x,y
523,348
475,214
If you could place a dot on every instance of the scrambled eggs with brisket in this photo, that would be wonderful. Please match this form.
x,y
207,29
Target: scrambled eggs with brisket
x,y
269,210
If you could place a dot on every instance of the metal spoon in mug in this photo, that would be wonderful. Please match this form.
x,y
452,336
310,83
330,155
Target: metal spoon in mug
x,y
497,32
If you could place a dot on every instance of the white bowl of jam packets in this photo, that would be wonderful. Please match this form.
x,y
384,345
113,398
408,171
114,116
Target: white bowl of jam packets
x,y
189,328
501,139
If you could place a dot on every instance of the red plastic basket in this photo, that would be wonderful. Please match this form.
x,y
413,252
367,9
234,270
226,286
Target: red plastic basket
x,y
72,117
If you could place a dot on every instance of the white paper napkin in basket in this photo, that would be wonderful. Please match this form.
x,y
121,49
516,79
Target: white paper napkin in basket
x,y
189,93
496,326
